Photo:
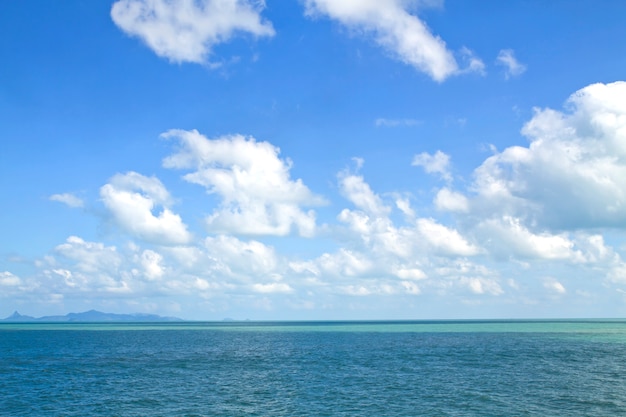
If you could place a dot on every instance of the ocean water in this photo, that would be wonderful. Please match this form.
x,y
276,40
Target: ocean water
x,y
464,368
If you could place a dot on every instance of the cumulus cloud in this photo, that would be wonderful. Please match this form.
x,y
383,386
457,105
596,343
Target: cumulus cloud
x,y
151,264
187,30
258,195
131,199
508,236
68,199
381,258
88,266
513,68
573,173
438,163
448,200
7,279
91,256
355,189
394,28
247,260
445,240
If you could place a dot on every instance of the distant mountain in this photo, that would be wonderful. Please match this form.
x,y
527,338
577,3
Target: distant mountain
x,y
91,316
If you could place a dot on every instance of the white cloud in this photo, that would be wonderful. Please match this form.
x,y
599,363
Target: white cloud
x,y
573,174
69,199
88,267
7,279
513,68
482,285
395,29
245,260
151,263
404,206
439,163
187,30
448,200
382,122
272,288
355,189
445,240
132,197
91,257
258,195
508,236
554,286
473,63
410,274
343,263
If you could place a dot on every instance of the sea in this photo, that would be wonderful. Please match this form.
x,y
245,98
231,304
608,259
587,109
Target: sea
x,y
380,368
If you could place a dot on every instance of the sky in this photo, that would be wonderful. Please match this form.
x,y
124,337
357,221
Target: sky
x,y
313,159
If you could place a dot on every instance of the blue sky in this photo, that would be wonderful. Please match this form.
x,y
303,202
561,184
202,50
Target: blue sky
x,y
314,159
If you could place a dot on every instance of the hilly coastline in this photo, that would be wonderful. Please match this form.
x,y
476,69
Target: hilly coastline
x,y
91,316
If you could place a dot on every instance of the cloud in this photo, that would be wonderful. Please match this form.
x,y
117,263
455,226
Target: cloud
x,y
258,195
80,266
554,286
7,279
395,29
445,240
382,122
508,236
439,163
473,63
131,199
572,176
91,257
247,261
513,68
151,264
68,199
272,288
448,200
187,30
356,190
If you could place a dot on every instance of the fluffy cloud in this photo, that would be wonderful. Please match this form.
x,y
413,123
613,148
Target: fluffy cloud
x,y
355,189
439,163
445,240
186,30
151,264
448,200
573,173
131,199
7,279
244,260
395,29
88,266
513,68
258,195
91,257
508,236
69,199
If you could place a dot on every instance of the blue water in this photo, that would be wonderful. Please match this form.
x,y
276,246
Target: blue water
x,y
314,369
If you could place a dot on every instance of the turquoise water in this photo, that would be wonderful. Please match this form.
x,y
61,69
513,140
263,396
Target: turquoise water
x,y
455,368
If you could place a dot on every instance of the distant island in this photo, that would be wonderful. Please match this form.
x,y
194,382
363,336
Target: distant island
x,y
91,316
